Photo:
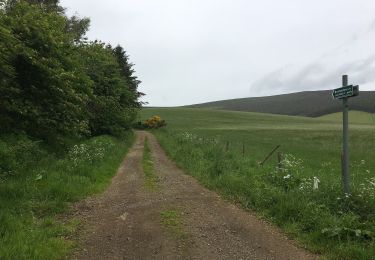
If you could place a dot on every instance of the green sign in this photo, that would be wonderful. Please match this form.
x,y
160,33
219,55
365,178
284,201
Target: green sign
x,y
344,92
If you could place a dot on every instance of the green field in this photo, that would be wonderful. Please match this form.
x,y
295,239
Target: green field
x,y
222,150
355,117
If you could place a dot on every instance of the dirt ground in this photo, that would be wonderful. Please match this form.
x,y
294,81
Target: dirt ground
x,y
179,219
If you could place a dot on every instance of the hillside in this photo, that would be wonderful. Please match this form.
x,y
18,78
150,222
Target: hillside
x,y
355,117
307,103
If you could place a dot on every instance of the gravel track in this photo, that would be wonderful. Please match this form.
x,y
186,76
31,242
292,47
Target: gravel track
x,y
125,222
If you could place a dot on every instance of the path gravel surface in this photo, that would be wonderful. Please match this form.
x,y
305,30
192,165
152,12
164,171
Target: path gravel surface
x,y
130,221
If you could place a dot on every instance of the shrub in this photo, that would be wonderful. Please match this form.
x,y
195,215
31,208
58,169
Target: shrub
x,y
17,153
153,122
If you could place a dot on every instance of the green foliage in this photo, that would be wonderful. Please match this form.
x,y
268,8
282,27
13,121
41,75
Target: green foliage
x,y
50,91
110,108
55,89
304,196
17,154
54,84
7,72
77,27
127,72
43,187
6,52
45,5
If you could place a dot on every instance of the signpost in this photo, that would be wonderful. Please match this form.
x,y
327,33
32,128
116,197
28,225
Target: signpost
x,y
345,92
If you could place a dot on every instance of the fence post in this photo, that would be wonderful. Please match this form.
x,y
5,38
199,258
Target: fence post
x,y
279,162
269,155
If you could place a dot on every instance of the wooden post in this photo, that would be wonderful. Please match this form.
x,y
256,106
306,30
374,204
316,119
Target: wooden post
x,y
279,162
269,155
227,146
243,150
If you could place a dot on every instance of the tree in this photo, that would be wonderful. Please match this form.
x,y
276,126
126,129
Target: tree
x,y
7,73
46,5
53,82
111,109
127,72
51,89
77,27
7,43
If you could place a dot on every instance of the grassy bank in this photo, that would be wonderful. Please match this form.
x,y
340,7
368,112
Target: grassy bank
x,y
36,185
304,196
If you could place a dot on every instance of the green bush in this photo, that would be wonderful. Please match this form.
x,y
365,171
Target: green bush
x,y
18,153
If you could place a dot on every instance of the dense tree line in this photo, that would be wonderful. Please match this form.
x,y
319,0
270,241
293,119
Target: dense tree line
x,y
53,82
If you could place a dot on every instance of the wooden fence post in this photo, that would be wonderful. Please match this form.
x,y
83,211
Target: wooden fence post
x,y
269,155
279,162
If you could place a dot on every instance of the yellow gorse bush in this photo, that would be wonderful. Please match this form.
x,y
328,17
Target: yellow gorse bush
x,y
154,122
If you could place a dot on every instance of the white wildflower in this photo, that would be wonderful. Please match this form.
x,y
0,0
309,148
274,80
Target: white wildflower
x,y
316,183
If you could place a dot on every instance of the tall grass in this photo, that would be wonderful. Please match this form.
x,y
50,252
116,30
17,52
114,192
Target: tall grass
x,y
304,196
36,186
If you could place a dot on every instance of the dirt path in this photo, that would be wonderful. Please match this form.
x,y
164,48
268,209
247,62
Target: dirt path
x,y
178,220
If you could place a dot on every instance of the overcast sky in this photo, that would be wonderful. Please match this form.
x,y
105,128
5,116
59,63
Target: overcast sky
x,y
193,51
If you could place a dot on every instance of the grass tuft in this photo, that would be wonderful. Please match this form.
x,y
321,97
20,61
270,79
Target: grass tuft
x,y
151,180
172,220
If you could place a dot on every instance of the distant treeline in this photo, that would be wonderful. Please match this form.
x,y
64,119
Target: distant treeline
x,y
54,82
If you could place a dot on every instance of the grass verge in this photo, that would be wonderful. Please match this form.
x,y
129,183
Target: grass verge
x,y
38,186
305,196
148,168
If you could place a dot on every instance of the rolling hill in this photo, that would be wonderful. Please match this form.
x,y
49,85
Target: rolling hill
x,y
355,117
307,103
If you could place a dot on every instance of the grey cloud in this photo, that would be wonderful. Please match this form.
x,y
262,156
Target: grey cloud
x,y
192,51
315,76
372,26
